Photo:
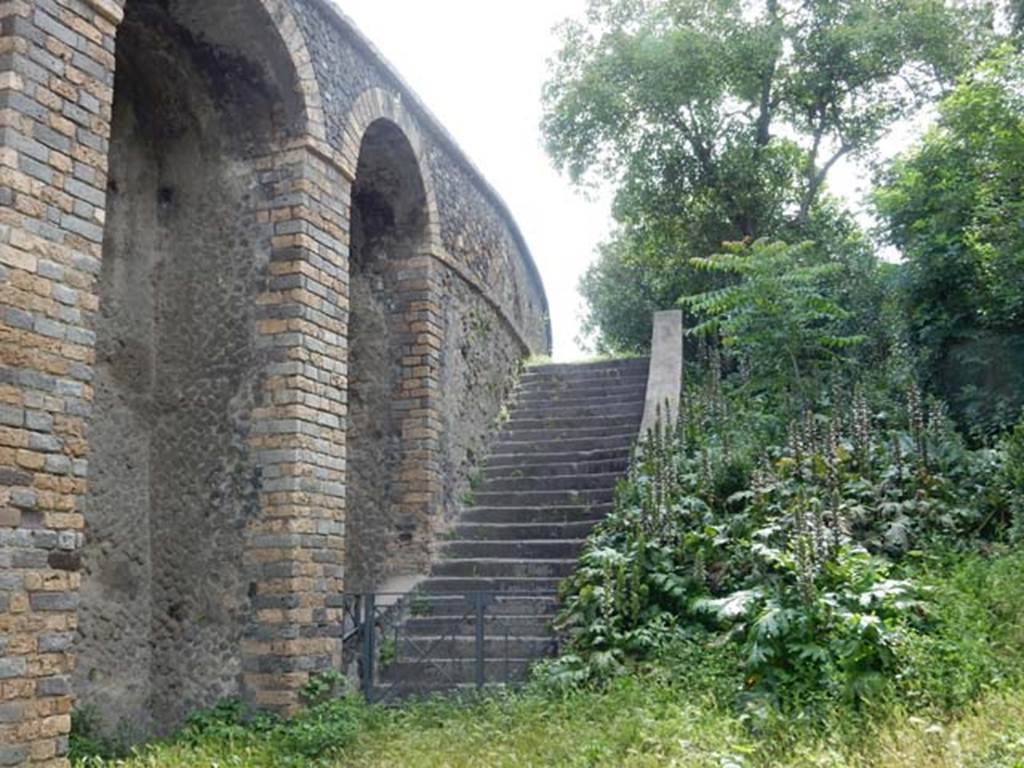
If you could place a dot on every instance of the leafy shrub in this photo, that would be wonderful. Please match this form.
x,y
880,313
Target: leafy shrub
x,y
329,722
975,637
88,739
840,629
790,542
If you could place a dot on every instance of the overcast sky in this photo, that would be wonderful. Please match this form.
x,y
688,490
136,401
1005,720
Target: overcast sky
x,y
479,65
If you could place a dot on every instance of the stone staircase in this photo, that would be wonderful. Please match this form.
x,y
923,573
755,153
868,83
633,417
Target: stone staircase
x,y
485,609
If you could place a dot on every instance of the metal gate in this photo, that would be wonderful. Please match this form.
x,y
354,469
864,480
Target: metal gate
x,y
420,644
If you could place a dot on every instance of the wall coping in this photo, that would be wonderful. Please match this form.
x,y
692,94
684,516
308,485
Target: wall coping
x,y
665,379
108,9
434,125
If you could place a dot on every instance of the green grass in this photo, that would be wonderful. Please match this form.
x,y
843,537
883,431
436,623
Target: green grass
x,y
959,703
637,723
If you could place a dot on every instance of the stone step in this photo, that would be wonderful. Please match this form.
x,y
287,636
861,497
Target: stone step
x,y
559,530
603,397
412,649
494,626
619,440
633,409
616,467
611,423
514,461
569,370
580,409
502,568
526,549
521,586
543,498
573,513
550,479
626,386
461,605
551,483
559,434
636,367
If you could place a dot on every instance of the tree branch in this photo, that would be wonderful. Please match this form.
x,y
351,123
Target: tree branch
x,y
816,176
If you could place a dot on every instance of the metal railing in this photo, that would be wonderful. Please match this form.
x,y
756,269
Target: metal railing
x,y
414,645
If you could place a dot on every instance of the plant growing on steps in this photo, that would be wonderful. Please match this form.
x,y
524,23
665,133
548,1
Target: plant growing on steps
x,y
790,543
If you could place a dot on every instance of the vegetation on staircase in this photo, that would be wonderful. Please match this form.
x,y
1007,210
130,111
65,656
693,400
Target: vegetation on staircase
x,y
808,545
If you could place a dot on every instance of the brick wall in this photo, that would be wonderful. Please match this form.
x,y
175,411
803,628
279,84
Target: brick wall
x,y
57,81
56,89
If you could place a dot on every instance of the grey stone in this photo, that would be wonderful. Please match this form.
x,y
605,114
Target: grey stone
x,y
53,601
11,417
13,755
42,442
50,328
23,499
53,27
39,421
50,270
35,169
12,666
64,294
58,465
53,686
50,138
86,229
56,643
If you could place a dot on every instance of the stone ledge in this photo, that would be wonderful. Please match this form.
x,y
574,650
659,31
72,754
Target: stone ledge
x,y
108,9
481,291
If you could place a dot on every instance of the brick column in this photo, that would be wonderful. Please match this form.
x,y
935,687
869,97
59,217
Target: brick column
x,y
421,333
295,551
56,89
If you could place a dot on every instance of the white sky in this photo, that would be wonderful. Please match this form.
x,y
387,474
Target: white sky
x,y
480,65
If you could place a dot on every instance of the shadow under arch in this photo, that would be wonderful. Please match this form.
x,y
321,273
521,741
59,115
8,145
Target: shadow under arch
x,y
205,92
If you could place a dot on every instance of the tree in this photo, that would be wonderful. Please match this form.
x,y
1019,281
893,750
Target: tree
x,y
781,319
955,207
721,120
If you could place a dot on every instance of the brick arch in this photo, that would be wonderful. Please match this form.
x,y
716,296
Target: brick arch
x,y
376,104
413,338
294,42
293,221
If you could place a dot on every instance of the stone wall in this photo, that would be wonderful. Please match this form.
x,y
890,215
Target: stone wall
x,y
174,351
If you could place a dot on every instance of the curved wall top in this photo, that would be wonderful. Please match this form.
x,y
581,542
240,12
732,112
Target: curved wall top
x,y
475,232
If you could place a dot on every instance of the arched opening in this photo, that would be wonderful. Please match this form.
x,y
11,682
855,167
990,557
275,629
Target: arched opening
x,y
389,225
203,93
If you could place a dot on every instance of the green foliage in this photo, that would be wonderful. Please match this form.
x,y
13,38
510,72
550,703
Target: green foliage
x,y
960,682
1013,476
719,121
954,207
785,539
88,740
812,630
976,629
329,722
778,312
